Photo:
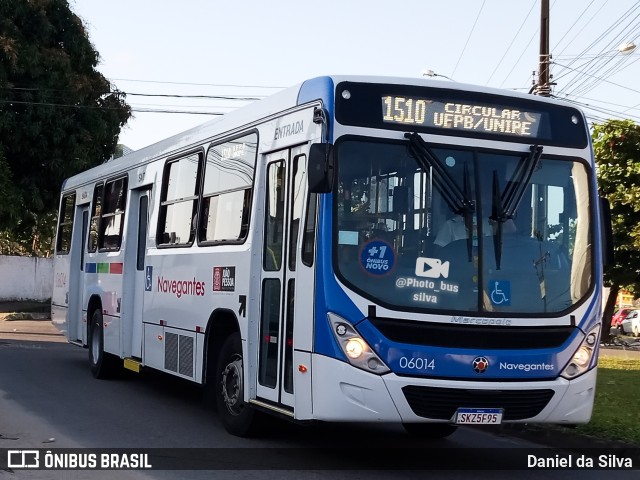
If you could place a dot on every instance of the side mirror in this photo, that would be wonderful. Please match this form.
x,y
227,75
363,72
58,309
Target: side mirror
x,y
321,168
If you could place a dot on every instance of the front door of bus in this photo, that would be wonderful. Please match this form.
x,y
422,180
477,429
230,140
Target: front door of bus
x,y
284,277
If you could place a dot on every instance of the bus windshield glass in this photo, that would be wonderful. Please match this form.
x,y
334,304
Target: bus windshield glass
x,y
461,229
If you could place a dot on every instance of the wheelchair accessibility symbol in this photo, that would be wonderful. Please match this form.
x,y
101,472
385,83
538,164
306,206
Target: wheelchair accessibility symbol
x,y
500,292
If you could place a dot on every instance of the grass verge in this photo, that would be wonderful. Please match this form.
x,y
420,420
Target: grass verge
x,y
616,413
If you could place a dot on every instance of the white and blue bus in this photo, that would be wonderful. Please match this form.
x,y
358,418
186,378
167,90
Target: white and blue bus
x,y
352,249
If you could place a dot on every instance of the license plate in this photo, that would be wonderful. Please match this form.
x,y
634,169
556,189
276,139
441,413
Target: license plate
x,y
478,416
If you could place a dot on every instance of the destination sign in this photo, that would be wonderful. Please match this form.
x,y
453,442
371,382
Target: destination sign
x,y
467,116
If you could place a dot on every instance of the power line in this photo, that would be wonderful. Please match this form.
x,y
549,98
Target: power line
x,y
521,56
187,112
468,38
585,81
134,94
215,97
606,111
511,43
600,78
181,106
194,84
574,24
585,84
97,107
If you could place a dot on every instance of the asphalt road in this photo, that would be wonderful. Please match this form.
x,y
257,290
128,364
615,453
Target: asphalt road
x,y
48,399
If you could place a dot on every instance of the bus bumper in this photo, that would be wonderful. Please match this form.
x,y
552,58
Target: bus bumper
x,y
344,393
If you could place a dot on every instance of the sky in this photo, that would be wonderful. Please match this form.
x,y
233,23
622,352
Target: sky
x,y
248,49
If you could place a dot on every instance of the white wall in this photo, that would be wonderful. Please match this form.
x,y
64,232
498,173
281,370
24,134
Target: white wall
x,y
25,278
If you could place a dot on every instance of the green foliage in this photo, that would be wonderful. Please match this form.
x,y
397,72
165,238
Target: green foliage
x,y
36,240
58,115
616,146
615,412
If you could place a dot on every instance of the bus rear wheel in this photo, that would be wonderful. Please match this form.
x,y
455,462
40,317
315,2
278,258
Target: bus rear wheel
x,y
237,416
103,365
429,430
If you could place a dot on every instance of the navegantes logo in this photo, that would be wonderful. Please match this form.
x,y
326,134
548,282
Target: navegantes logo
x,y
526,367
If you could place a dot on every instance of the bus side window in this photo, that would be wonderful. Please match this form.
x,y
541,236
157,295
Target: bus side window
x,y
274,216
112,217
65,224
178,205
227,190
298,201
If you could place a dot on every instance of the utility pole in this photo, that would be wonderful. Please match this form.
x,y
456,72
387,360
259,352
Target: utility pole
x,y
543,88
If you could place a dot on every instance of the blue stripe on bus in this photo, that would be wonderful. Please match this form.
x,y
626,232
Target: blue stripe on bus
x,y
330,297
319,88
452,362
91,267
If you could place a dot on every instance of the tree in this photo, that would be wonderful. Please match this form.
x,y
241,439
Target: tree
x,y
616,145
58,114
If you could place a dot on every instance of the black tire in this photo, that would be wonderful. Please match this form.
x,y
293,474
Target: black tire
x,y
430,430
237,416
103,365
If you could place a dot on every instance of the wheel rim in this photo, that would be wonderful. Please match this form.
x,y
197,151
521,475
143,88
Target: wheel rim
x,y
232,385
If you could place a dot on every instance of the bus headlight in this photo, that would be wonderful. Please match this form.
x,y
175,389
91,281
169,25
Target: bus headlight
x,y
582,357
354,348
358,352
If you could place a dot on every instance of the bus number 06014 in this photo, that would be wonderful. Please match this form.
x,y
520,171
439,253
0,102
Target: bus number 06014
x,y
417,363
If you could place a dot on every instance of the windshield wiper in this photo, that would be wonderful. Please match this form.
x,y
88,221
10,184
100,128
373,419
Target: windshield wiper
x,y
504,206
458,199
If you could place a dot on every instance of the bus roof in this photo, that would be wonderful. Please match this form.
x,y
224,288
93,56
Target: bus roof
x,y
318,88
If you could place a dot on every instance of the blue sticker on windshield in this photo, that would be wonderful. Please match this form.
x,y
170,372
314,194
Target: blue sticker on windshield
x,y
500,292
377,257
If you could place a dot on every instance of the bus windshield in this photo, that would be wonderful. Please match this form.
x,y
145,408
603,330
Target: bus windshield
x,y
466,230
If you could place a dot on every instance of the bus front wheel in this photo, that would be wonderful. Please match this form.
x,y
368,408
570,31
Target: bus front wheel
x,y
237,416
103,365
430,430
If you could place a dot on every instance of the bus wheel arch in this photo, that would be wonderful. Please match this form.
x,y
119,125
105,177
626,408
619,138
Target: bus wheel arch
x,y
221,324
224,375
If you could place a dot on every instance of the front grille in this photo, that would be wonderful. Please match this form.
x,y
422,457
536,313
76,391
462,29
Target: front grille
x,y
471,336
442,403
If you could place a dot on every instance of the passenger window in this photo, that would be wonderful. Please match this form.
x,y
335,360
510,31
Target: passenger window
x,y
112,217
274,223
297,205
65,224
178,206
227,191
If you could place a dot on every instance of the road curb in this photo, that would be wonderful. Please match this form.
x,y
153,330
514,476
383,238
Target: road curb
x,y
12,317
